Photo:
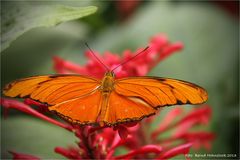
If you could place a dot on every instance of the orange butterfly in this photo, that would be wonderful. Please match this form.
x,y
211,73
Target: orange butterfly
x,y
85,101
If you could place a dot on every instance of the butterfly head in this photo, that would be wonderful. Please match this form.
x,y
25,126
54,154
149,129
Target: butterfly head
x,y
110,74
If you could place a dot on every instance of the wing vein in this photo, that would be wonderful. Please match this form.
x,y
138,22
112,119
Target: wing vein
x,y
183,93
139,96
75,91
65,90
153,94
87,94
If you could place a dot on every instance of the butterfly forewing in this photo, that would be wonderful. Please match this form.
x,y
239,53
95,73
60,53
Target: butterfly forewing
x,y
52,89
159,92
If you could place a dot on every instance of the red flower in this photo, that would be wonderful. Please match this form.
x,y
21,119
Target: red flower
x,y
126,8
159,49
137,138
23,156
10,103
184,149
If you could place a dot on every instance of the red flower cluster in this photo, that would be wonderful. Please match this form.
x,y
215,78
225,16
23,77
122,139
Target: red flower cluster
x,y
159,49
138,138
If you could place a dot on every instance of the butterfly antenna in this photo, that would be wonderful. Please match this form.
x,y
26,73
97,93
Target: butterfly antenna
x,y
130,58
106,67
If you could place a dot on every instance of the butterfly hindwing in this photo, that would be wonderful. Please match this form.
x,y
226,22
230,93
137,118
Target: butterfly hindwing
x,y
82,110
124,109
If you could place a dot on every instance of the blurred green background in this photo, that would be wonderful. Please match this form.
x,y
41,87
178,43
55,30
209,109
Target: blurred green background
x,y
210,58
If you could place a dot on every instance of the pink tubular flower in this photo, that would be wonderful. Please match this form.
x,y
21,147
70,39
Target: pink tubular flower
x,y
139,139
181,149
23,156
145,149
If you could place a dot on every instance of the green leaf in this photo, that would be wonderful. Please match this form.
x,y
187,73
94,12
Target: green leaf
x,y
20,17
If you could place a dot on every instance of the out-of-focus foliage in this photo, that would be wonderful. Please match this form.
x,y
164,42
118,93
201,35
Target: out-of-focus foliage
x,y
20,17
48,136
210,59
